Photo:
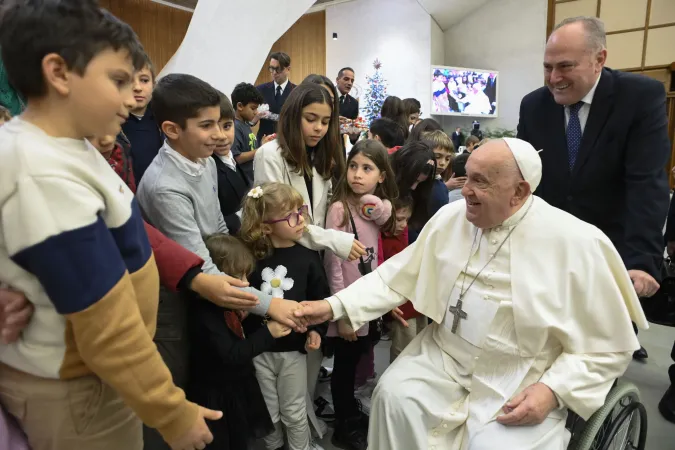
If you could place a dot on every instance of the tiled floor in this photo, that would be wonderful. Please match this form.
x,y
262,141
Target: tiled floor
x,y
650,377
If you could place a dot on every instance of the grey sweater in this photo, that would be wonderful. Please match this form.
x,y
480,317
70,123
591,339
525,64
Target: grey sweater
x,y
185,208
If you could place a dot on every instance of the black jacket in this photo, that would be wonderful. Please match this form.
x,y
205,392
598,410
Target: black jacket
x,y
349,108
232,187
619,182
268,127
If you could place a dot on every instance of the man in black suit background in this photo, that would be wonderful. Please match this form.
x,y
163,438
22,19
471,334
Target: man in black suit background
x,y
275,92
349,106
605,146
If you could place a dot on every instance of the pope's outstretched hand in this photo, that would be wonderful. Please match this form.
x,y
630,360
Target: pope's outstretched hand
x,y
315,312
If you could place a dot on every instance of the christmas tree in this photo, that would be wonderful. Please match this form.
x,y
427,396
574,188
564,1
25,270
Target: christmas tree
x,y
375,94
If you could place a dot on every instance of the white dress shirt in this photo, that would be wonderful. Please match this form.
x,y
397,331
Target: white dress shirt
x,y
585,108
283,86
195,169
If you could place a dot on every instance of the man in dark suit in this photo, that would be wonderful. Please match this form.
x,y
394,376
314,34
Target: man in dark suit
x,y
605,146
349,106
275,92
457,138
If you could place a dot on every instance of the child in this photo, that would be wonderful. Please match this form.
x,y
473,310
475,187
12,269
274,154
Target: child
x,y
392,108
141,129
392,244
233,183
412,107
221,360
458,173
422,127
443,150
471,143
88,264
117,152
415,167
273,221
178,193
303,156
5,116
361,205
388,132
246,99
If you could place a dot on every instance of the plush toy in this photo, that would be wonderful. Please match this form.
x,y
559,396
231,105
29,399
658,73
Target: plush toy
x,y
374,209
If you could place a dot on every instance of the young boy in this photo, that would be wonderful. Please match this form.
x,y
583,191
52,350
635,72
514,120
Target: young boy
x,y
73,241
141,128
233,184
459,173
471,143
179,192
443,151
393,245
246,98
388,132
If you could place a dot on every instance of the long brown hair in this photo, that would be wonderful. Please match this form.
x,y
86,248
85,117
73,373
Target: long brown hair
x,y
387,190
276,199
291,140
339,157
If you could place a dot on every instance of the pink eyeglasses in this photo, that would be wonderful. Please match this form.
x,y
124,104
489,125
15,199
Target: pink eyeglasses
x,y
293,218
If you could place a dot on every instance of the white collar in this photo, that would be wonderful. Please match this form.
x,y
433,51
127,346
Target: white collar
x,y
191,168
588,98
228,160
515,219
283,86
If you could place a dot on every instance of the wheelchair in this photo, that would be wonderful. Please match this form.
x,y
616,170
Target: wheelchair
x,y
620,424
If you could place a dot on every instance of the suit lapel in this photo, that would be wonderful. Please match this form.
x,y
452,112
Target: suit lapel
x,y
601,107
317,189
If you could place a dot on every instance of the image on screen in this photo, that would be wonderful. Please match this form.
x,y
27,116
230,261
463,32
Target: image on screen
x,y
466,92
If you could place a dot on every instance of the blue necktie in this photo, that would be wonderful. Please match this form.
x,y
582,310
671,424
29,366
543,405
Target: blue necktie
x,y
574,133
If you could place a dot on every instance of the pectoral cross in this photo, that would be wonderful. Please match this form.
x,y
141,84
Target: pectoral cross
x,y
458,313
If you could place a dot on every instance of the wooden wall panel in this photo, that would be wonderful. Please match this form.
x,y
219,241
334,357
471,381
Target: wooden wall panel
x,y
305,43
160,28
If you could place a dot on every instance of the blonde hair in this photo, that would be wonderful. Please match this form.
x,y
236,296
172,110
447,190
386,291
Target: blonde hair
x,y
439,139
230,255
276,199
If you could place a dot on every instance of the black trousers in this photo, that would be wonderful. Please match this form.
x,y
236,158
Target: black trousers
x,y
671,369
173,345
347,356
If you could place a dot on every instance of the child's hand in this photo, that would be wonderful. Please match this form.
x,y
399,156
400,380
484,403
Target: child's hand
x,y
313,341
278,330
358,249
372,208
455,182
267,138
346,331
397,315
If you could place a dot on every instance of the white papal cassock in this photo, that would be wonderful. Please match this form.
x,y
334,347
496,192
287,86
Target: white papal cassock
x,y
554,306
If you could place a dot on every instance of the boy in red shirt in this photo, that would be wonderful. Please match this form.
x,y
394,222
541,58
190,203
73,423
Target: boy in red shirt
x,y
392,245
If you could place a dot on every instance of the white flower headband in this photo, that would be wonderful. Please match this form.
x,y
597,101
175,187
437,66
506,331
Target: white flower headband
x,y
256,192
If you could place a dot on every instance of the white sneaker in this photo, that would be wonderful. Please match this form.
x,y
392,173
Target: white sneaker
x,y
313,445
364,403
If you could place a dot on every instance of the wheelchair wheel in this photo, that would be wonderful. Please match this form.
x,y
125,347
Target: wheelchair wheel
x,y
621,424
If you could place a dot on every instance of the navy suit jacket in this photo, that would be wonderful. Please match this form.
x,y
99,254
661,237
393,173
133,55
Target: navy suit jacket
x,y
269,127
349,108
619,182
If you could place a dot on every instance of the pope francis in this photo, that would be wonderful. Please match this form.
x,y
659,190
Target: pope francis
x,y
531,313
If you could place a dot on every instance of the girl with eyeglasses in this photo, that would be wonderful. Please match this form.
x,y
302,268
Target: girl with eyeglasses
x,y
274,219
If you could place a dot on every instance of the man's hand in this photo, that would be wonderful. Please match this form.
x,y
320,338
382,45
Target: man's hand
x,y
15,313
313,341
358,250
223,291
346,331
397,315
530,407
315,312
199,435
645,285
283,312
455,183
